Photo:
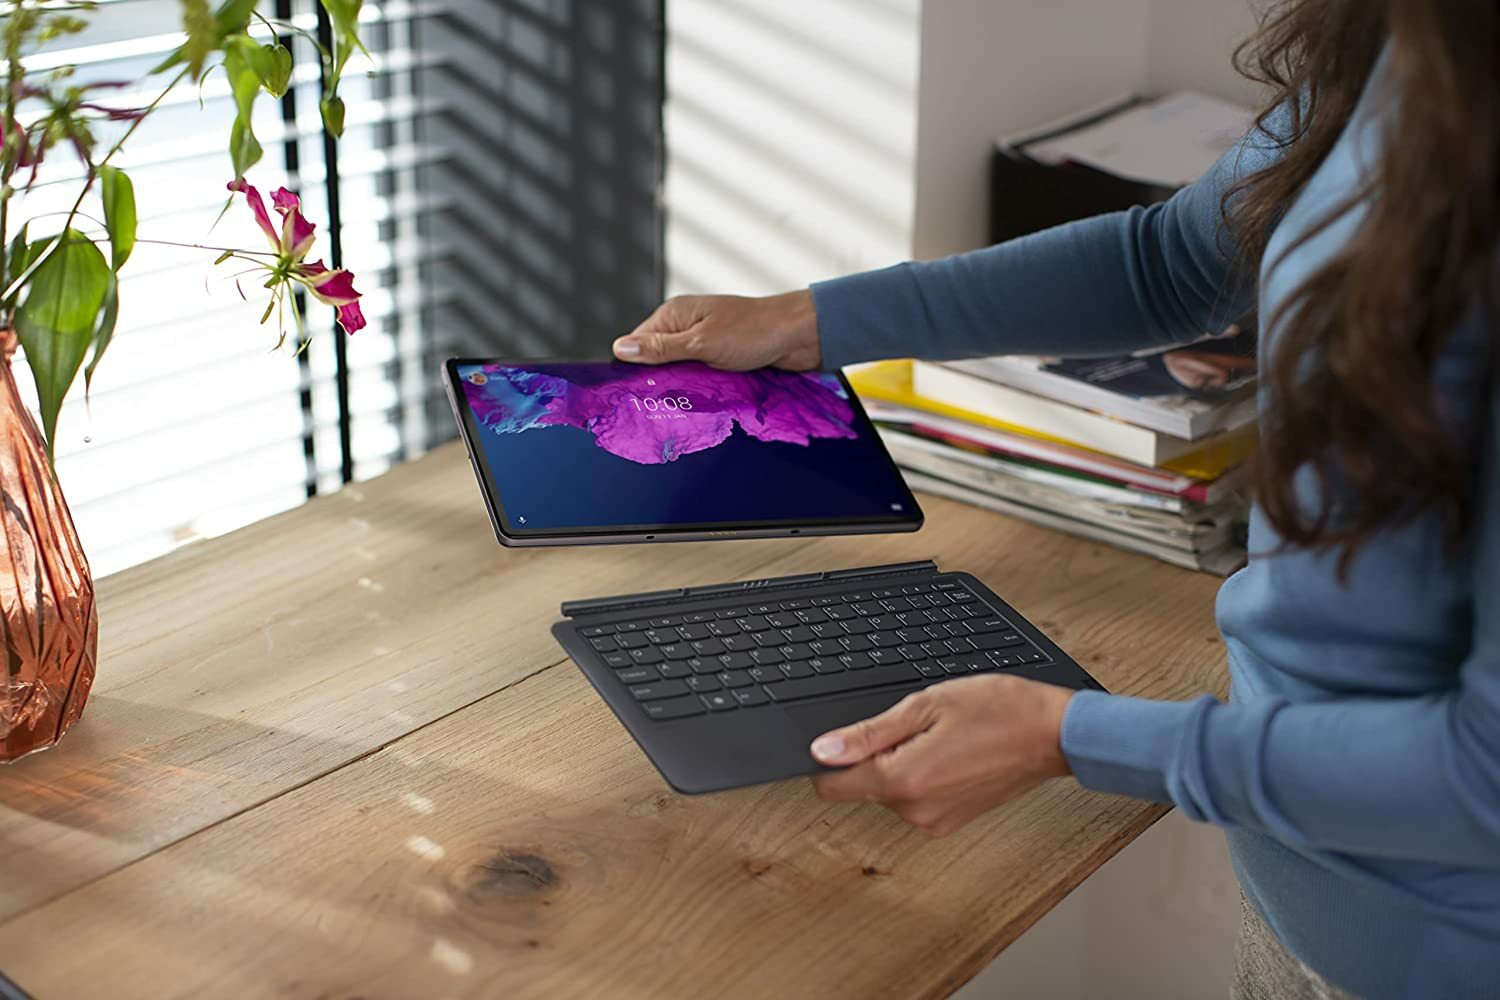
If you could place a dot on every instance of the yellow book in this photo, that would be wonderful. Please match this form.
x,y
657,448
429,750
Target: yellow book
x,y
890,382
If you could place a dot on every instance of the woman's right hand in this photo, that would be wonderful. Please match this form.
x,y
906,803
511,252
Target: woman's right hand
x,y
728,331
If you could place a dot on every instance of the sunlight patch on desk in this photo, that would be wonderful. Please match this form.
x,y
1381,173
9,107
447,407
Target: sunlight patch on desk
x,y
425,848
451,957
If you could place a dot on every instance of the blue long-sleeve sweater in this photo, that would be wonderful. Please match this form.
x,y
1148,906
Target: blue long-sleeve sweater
x,y
1356,766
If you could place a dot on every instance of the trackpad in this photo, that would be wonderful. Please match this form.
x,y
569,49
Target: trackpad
x,y
817,717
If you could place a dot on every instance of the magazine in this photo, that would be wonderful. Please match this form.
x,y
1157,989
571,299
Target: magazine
x,y
1189,391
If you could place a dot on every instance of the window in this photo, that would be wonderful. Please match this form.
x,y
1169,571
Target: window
x,y
495,192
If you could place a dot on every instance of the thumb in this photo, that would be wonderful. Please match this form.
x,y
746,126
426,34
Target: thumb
x,y
655,347
852,744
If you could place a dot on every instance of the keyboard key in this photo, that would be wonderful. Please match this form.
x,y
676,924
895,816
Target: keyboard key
x,y
856,661
664,622
796,651
911,651
750,697
888,592
752,623
799,634
825,666
617,660
828,630
675,669
644,656
812,616
704,665
767,638
813,687
823,602
946,584
886,657
724,629
692,633
638,675
954,666
739,643
996,640
913,634
761,609
886,622
782,620
735,678
884,640
729,613
662,636
735,661
766,675
840,612
677,651
703,685
961,597
632,640
929,668
708,647
674,708
698,617
826,647
856,643
658,690
596,630
796,670
766,657
920,588
795,605
631,626
988,623
891,606
858,626
867,609
957,629
959,645
936,648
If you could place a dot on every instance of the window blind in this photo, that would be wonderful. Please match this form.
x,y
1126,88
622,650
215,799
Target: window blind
x,y
496,191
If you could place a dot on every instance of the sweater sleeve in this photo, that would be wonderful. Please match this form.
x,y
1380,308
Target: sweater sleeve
x,y
1115,283
1410,777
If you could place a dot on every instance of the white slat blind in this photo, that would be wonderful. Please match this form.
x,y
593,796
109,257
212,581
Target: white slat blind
x,y
195,426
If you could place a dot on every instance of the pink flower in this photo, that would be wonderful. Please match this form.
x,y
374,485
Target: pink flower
x,y
291,243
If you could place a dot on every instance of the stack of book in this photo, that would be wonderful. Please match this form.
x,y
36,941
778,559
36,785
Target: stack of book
x,y
1146,452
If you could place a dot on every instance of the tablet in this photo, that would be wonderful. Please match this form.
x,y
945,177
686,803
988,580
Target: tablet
x,y
583,452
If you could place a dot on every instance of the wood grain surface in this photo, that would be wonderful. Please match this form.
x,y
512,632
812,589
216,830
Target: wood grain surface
x,y
338,754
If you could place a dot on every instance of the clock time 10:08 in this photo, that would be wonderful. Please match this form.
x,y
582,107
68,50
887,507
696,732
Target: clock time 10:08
x,y
651,405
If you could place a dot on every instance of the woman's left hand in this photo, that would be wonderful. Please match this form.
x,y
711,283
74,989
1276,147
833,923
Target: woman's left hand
x,y
946,754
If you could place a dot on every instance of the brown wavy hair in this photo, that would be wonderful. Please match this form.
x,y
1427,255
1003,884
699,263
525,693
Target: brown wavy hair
x,y
1350,391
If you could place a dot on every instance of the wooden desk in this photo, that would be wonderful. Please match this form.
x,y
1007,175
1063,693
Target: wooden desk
x,y
337,754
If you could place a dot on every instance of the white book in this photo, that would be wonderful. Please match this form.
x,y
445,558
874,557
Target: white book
x,y
966,391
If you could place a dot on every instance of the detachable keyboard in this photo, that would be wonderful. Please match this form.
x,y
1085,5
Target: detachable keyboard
x,y
689,671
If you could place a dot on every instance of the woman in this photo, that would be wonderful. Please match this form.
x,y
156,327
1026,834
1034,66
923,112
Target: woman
x,y
1356,768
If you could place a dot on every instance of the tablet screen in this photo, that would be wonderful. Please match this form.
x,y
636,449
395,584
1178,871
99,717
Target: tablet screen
x,y
575,448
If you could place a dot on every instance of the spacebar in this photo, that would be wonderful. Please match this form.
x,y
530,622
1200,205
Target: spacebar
x,y
853,680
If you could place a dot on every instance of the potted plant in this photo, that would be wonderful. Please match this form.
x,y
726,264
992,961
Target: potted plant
x,y
60,295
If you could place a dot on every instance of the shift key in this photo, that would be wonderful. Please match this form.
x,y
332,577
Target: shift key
x,y
659,690
813,687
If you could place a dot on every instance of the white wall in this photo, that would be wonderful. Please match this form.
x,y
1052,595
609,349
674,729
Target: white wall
x,y
809,138
1190,45
994,67
791,131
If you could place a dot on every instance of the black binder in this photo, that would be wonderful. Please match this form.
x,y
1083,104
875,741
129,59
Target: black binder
x,y
1027,195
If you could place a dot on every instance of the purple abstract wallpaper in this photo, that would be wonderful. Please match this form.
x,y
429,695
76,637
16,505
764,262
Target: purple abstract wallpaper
x,y
599,445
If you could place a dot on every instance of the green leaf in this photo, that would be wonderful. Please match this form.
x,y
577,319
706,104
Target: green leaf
x,y
333,115
202,35
231,18
244,149
104,332
119,213
60,317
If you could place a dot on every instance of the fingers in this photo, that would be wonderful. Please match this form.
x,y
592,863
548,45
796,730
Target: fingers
x,y
656,347
852,744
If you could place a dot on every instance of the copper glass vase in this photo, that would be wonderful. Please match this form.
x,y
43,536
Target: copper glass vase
x,y
48,623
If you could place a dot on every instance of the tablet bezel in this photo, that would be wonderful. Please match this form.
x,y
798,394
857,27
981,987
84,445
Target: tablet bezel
x,y
509,535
